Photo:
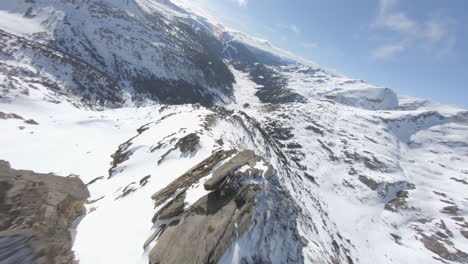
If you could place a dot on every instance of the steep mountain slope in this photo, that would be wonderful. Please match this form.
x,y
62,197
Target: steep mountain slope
x,y
203,145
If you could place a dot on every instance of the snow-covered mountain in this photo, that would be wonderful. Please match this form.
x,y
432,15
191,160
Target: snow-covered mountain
x,y
200,144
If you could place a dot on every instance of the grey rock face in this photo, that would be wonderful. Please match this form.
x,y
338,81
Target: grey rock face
x,y
16,249
74,78
272,86
187,179
36,213
207,229
227,169
188,143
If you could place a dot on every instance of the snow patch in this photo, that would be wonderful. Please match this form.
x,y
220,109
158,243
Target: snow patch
x,y
19,25
370,99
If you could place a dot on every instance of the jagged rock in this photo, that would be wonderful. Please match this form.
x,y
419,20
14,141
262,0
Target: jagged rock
x,y
437,246
172,209
144,180
225,170
130,188
294,146
189,143
31,122
191,176
121,155
272,85
207,229
464,233
36,212
459,180
315,130
211,224
10,116
95,180
372,184
278,132
16,249
397,203
453,209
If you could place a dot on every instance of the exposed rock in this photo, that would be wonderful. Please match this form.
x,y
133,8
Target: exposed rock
x,y
36,213
458,218
437,246
189,143
294,145
16,249
370,162
174,208
212,223
331,154
220,142
459,180
394,194
453,209
95,180
464,233
372,184
272,85
207,229
10,116
396,238
315,129
144,180
122,154
278,132
128,190
191,176
31,122
227,169
391,190
397,204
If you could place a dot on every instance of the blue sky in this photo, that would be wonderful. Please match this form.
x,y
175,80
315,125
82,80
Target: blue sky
x,y
416,47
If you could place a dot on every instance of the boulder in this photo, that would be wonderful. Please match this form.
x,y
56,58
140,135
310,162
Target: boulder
x,y
37,212
207,229
220,174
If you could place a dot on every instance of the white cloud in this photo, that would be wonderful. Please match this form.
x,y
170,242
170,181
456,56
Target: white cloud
x,y
438,27
290,27
309,45
393,20
436,34
241,2
387,50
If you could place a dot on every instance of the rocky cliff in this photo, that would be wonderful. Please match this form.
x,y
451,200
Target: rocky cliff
x,y
38,214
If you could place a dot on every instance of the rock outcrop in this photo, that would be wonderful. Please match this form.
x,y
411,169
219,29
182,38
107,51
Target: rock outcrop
x,y
37,214
206,229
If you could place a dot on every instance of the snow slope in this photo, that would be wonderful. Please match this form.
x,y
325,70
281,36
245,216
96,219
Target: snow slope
x,y
388,184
